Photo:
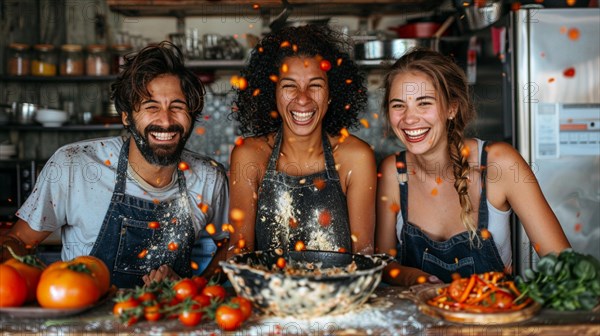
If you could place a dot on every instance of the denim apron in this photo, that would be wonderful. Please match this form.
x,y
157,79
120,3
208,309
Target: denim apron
x,y
129,247
311,209
455,255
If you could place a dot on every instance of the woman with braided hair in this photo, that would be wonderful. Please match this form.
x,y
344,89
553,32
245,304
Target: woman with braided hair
x,y
443,204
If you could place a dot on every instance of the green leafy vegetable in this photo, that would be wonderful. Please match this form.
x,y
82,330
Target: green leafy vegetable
x,y
569,281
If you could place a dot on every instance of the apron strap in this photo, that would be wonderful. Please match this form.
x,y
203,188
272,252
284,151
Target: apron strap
x,y
329,161
482,223
403,182
275,153
122,170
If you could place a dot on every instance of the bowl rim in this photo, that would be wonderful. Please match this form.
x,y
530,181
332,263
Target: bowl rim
x,y
233,265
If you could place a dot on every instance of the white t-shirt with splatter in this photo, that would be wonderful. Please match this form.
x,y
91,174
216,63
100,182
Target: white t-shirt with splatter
x,y
74,190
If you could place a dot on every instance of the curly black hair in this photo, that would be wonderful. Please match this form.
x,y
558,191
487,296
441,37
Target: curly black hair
x,y
346,83
142,67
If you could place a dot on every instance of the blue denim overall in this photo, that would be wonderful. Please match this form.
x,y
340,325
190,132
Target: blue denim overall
x,y
311,208
455,255
129,247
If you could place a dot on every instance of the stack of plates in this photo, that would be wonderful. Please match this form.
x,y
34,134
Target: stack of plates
x,y
7,151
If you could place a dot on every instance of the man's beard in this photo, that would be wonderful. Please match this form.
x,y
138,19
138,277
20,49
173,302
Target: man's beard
x,y
159,155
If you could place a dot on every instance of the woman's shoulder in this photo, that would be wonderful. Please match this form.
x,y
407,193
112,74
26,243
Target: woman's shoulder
x,y
352,145
501,153
253,147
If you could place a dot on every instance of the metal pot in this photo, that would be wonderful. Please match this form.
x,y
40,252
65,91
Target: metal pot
x,y
396,48
369,50
22,113
309,294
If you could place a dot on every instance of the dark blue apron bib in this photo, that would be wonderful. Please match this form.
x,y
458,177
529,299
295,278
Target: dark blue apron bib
x,y
311,208
129,247
455,255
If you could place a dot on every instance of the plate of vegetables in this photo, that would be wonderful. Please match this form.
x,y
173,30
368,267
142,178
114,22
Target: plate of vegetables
x,y
479,299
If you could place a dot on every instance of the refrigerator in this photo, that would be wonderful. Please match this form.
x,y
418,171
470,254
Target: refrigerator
x,y
555,102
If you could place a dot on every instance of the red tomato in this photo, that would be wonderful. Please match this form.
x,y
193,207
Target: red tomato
x,y
13,287
203,300
215,291
200,281
499,299
185,288
152,313
190,316
229,318
457,288
146,297
99,270
30,273
125,304
244,305
67,286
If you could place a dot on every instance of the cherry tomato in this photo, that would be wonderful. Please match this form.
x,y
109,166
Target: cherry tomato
x,y
67,286
244,305
200,281
99,270
229,318
215,291
30,273
125,304
203,300
13,287
152,313
185,288
190,316
146,297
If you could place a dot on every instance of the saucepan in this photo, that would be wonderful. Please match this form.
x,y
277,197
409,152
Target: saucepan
x,y
312,283
22,113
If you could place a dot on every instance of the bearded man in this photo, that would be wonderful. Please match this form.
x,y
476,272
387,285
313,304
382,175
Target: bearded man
x,y
139,202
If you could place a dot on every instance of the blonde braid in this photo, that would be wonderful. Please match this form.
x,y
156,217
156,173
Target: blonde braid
x,y
460,168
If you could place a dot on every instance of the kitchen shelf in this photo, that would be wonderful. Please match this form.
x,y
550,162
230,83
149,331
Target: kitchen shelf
x,y
65,128
62,79
186,8
216,64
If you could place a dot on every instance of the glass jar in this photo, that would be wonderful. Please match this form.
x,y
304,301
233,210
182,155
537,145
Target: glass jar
x,y
44,60
97,63
118,56
18,60
71,60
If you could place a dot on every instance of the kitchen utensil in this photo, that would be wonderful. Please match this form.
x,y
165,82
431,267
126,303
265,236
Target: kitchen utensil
x,y
51,118
279,21
481,13
22,113
306,295
395,48
420,294
369,50
416,29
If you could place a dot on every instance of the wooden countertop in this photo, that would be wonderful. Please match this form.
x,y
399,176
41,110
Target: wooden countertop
x,y
384,314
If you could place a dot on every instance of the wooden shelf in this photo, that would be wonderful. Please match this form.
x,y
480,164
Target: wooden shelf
x,y
63,79
186,8
216,64
64,128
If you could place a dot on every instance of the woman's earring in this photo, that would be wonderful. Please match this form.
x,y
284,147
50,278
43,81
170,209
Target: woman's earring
x,y
329,102
450,117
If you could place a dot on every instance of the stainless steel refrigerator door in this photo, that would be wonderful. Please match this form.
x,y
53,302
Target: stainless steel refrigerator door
x,y
557,61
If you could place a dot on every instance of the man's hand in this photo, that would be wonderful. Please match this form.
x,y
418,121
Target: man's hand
x,y
159,274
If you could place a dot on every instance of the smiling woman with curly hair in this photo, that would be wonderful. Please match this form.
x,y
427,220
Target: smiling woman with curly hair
x,y
300,180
